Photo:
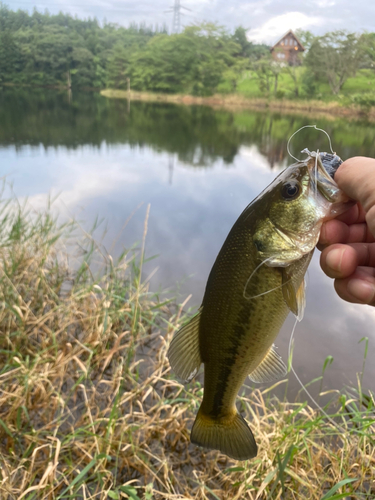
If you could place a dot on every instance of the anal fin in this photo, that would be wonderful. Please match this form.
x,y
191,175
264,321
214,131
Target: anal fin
x,y
183,353
270,369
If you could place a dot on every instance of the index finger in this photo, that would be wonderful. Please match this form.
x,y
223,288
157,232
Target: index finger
x,y
335,231
353,215
356,177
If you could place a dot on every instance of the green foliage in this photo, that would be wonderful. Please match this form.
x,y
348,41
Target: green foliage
x,y
55,50
248,49
11,59
233,76
367,41
305,37
364,100
40,49
117,67
193,61
335,57
267,72
309,84
164,65
296,76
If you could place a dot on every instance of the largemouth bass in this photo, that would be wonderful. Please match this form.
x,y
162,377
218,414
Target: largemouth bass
x,y
256,280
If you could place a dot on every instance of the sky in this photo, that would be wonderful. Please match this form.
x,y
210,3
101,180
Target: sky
x,y
266,20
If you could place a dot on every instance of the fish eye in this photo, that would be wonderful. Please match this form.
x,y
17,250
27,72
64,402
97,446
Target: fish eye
x,y
290,190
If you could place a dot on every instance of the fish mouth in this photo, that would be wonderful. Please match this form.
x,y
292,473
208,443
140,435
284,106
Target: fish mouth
x,y
329,163
322,168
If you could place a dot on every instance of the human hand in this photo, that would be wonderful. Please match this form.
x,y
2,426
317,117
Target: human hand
x,y
348,242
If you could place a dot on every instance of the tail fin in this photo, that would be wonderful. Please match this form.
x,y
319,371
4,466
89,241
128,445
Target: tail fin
x,y
230,435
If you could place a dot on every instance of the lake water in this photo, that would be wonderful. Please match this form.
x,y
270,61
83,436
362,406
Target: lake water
x,y
197,168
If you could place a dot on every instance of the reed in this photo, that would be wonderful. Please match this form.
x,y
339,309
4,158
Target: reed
x,y
90,410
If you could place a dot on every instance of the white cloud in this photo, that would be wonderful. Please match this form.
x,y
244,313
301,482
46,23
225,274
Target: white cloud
x,y
258,161
325,3
274,28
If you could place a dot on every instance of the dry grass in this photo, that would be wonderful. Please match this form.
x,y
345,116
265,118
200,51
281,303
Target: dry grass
x,y
89,408
314,108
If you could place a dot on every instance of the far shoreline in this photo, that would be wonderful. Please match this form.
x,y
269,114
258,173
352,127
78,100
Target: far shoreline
x,y
235,102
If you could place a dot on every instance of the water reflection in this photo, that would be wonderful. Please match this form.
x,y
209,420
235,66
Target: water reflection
x,y
198,168
198,135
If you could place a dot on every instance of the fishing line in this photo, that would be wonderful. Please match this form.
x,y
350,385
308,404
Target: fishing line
x,y
265,293
316,174
252,274
337,426
308,126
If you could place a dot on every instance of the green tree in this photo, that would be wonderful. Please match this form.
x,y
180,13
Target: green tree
x,y
193,61
11,60
240,38
305,37
296,75
82,66
367,41
215,53
42,48
267,72
335,57
118,67
164,65
233,75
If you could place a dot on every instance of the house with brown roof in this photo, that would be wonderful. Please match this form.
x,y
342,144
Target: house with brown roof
x,y
287,49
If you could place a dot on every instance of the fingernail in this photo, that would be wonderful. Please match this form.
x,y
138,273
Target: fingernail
x,y
334,259
362,290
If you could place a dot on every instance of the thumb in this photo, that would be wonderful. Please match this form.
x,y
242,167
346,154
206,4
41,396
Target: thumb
x,y
356,177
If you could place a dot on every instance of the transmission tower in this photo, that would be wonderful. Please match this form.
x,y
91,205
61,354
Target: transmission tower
x,y
176,17
176,9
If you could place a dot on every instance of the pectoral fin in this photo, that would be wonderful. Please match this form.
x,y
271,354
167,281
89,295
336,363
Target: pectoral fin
x,y
183,353
270,369
296,301
301,300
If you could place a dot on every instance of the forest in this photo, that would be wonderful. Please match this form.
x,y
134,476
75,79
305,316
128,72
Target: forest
x,y
61,50
42,49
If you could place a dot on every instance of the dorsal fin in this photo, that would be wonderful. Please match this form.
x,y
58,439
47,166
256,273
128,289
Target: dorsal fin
x,y
271,368
183,353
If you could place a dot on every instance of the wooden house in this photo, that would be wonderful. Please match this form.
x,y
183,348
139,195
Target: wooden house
x,y
287,49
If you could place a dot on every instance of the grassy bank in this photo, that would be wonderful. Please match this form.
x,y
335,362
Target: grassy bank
x,y
89,408
315,108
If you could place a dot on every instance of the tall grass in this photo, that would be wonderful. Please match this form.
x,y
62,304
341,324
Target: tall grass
x,y
90,410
